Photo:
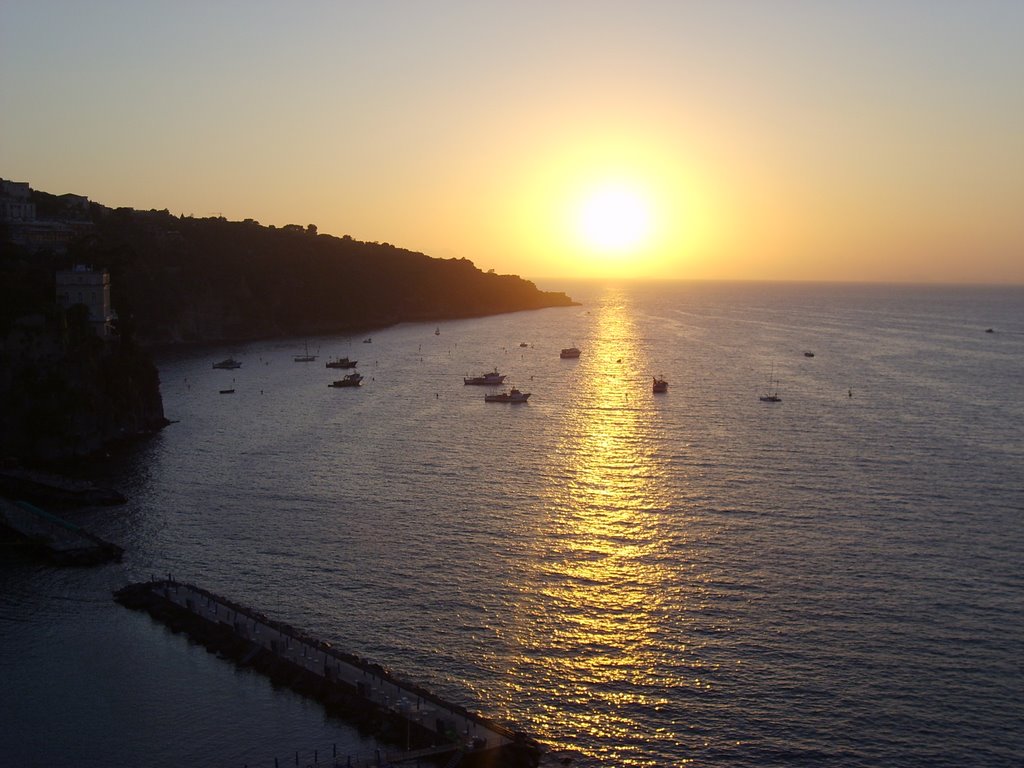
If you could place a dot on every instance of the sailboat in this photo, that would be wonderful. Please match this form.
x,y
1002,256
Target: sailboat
x,y
306,358
771,395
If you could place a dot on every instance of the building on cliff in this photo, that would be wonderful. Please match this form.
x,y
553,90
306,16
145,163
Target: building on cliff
x,y
16,202
68,219
90,287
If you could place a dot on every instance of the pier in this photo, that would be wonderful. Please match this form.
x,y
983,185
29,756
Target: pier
x,y
425,726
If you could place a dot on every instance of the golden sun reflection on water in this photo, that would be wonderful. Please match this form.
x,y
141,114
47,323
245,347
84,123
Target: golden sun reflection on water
x,y
601,589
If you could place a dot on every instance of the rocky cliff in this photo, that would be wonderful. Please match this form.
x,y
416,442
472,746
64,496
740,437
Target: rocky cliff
x,y
65,393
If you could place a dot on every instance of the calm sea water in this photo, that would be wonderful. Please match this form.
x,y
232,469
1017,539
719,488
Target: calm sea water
x,y
640,580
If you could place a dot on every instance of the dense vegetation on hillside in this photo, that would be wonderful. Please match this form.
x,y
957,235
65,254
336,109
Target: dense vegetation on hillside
x,y
187,280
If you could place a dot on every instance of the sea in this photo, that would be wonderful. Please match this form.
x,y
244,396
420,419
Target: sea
x,y
697,577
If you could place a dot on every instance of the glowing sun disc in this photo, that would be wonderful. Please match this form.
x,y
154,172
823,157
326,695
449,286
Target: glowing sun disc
x,y
614,218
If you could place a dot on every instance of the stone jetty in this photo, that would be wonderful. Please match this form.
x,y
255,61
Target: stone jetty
x,y
423,726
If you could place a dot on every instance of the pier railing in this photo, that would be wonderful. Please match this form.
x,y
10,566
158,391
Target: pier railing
x,y
379,759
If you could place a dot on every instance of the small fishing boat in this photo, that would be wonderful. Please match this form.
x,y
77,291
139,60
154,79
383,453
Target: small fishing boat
x,y
368,340
229,364
437,331
227,391
342,362
660,385
569,353
352,380
808,353
512,396
486,379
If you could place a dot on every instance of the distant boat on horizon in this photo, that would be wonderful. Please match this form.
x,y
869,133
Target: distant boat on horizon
x,y
660,385
569,353
229,364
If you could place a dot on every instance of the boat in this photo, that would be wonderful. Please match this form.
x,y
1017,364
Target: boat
x,y
352,380
771,395
808,354
368,340
305,358
512,396
437,331
342,362
523,344
227,391
569,352
229,364
660,385
487,379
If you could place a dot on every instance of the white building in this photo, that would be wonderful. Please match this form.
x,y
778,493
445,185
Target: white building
x,y
84,285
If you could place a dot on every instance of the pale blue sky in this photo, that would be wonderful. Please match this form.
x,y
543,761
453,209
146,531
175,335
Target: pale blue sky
x,y
775,140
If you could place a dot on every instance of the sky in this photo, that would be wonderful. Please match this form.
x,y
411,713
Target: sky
x,y
754,140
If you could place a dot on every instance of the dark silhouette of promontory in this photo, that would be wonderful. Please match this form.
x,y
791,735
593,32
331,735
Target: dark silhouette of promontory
x,y
182,279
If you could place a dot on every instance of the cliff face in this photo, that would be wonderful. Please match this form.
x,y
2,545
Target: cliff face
x,y
181,280
66,393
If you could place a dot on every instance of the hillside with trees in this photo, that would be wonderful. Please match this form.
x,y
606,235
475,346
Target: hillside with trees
x,y
181,280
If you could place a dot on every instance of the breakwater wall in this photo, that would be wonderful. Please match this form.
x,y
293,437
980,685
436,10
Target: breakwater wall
x,y
421,725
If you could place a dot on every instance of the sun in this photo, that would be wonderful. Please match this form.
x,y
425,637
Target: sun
x,y
614,218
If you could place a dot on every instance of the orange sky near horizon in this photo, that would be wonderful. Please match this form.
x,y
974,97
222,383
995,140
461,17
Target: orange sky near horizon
x,y
775,141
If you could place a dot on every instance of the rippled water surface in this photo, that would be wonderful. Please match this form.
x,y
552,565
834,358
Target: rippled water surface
x,y
638,579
